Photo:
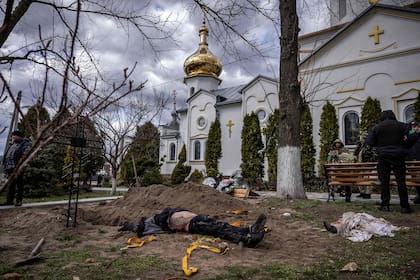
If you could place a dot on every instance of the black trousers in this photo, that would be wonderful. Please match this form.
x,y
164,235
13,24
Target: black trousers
x,y
396,163
16,188
208,226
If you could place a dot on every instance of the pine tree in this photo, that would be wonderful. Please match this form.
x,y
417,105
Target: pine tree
x,y
43,174
214,149
36,117
417,109
271,133
371,114
328,131
143,154
252,158
306,144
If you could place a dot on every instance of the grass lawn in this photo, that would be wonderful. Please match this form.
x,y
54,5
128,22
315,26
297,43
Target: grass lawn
x,y
379,258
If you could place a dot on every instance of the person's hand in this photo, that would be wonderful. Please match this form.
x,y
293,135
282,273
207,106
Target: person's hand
x,y
127,227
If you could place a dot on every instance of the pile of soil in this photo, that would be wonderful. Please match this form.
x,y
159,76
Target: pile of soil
x,y
145,202
290,240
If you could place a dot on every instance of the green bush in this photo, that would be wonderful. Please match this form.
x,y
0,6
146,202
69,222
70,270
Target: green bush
x,y
211,172
180,171
152,176
196,176
371,114
306,144
271,135
214,148
328,132
252,165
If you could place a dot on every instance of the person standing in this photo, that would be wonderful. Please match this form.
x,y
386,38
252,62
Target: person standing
x,y
19,147
389,137
364,153
414,153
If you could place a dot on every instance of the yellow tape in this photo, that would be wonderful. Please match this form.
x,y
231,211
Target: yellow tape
x,y
197,244
135,242
238,212
238,223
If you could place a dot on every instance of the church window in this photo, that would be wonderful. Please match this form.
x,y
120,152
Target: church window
x,y
201,122
409,113
197,150
192,90
351,128
172,153
261,114
342,8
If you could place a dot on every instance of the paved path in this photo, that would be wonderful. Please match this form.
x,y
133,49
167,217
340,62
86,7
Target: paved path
x,y
310,195
62,202
324,196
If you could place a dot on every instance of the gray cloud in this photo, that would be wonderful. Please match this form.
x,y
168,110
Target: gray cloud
x,y
117,46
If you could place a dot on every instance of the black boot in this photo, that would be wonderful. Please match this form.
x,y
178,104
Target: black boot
x,y
259,224
330,227
384,208
406,210
126,226
252,239
207,226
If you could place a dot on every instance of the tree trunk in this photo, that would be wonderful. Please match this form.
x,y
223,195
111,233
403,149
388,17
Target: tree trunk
x,y
289,175
114,183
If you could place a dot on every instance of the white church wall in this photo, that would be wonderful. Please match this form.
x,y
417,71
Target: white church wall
x,y
354,7
231,122
200,117
382,80
196,83
202,114
309,42
260,96
354,45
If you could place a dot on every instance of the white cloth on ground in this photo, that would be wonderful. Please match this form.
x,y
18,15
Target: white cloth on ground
x,y
360,227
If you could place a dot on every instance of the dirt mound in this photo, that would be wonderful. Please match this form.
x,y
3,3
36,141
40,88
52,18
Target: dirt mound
x,y
138,202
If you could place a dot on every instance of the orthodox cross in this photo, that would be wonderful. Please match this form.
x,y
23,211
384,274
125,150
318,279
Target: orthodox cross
x,y
174,97
375,34
229,125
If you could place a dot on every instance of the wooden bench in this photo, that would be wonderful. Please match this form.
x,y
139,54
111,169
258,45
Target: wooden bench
x,y
365,174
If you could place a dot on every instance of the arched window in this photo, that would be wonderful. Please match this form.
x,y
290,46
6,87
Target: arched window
x,y
172,151
409,113
342,8
192,91
197,150
351,128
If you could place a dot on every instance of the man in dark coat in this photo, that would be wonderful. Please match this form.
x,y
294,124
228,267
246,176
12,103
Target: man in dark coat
x,y
389,137
19,147
181,220
414,152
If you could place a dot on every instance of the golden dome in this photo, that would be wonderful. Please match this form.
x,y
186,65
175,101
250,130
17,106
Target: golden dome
x,y
202,61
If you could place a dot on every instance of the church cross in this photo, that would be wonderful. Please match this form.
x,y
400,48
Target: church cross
x,y
229,125
174,98
375,34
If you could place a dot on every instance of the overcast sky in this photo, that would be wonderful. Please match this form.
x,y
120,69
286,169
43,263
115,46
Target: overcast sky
x,y
118,46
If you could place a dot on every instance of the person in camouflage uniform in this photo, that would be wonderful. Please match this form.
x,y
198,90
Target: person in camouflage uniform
x,y
339,154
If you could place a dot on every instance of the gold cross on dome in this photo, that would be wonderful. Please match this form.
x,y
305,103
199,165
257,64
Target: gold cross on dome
x,y
229,125
375,34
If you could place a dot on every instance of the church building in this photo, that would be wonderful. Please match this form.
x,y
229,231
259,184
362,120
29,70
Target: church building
x,y
376,54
